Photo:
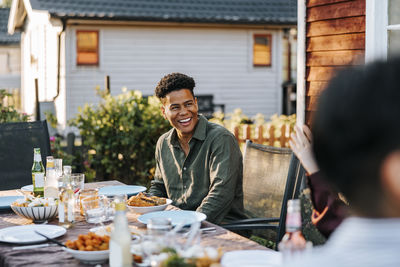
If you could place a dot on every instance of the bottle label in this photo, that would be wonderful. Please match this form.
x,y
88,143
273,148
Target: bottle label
x,y
39,179
61,212
293,221
115,254
71,211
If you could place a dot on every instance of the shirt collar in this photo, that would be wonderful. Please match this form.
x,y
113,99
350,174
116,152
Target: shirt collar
x,y
199,132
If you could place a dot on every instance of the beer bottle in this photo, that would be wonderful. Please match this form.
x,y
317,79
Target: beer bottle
x,y
37,173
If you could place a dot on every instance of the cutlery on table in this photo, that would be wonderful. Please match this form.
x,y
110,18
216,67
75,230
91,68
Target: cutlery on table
x,y
51,239
31,246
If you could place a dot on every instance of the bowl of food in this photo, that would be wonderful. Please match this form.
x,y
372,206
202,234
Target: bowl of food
x,y
141,203
36,209
89,248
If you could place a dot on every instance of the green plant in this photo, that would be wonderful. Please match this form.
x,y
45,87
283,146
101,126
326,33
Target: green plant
x,y
121,134
9,113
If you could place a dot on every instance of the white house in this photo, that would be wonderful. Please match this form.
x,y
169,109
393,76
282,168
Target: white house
x,y
10,55
236,50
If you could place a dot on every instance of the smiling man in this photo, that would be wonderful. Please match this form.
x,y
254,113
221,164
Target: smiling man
x,y
199,164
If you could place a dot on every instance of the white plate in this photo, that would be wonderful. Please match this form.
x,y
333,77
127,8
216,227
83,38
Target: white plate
x,y
6,201
92,257
27,188
25,234
176,216
115,190
251,258
143,210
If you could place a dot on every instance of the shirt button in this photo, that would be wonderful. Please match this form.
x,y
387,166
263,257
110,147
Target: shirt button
x,y
184,168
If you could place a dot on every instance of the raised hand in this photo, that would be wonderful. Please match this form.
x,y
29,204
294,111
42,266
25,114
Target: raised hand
x,y
301,144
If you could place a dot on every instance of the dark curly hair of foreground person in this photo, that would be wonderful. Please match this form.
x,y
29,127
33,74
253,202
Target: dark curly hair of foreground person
x,y
173,82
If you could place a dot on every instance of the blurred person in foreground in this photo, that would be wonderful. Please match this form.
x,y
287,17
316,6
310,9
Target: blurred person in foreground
x,y
329,207
198,163
357,147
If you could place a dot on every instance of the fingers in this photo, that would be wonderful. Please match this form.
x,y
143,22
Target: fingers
x,y
307,133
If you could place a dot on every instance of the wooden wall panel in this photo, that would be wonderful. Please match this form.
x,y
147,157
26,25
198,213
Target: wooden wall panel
x,y
335,31
337,26
315,87
335,58
336,42
311,3
341,10
322,74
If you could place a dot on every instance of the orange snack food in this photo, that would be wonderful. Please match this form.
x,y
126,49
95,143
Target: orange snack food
x,y
89,242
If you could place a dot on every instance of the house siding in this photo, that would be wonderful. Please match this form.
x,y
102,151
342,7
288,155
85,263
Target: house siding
x,y
219,59
10,67
335,38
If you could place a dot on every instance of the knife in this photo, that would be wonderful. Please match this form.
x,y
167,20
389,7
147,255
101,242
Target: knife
x,y
31,246
51,239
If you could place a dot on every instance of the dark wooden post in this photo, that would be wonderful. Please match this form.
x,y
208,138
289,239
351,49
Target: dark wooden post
x,y
37,117
107,84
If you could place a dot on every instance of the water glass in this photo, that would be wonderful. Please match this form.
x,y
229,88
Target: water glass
x,y
94,209
58,171
159,226
77,182
111,201
87,193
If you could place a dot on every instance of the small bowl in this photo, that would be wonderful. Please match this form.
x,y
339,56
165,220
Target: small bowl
x,y
91,257
143,210
36,214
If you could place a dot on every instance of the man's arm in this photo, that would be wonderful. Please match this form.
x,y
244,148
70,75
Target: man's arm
x,y
225,172
157,187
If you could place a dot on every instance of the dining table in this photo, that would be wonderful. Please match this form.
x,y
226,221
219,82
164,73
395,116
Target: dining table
x,y
221,238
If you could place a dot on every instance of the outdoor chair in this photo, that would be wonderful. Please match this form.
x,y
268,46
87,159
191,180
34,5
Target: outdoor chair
x,y
17,141
271,177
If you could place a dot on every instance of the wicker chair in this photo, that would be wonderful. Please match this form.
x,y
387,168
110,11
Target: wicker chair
x,y
271,176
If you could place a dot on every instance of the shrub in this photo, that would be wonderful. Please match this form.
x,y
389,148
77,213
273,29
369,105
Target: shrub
x,y
9,113
120,135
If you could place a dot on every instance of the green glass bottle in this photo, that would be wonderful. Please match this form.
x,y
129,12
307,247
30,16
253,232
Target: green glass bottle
x,y
37,173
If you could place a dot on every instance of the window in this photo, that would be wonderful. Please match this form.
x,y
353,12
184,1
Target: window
x,y
382,38
87,47
262,50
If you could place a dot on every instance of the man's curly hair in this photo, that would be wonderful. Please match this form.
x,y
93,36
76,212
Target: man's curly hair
x,y
174,82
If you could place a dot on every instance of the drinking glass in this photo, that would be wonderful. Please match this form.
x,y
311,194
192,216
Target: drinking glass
x,y
94,209
110,210
86,193
77,182
58,171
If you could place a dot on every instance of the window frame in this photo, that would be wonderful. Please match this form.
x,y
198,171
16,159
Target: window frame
x,y
269,37
376,30
97,63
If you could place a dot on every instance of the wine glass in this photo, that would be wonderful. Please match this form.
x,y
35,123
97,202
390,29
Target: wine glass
x,y
77,182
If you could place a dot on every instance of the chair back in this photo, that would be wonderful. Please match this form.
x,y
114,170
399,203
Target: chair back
x,y
265,171
271,176
17,141
294,184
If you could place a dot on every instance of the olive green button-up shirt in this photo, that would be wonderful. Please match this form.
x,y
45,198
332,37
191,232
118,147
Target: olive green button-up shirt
x,y
209,179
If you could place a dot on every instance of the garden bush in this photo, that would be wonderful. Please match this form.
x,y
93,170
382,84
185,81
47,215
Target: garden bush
x,y
9,113
120,135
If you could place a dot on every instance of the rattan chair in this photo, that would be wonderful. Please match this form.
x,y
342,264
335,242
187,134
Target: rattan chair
x,y
17,141
271,176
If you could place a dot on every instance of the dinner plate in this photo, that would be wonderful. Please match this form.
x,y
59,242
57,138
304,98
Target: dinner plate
x,y
251,258
27,188
5,202
176,216
25,234
115,190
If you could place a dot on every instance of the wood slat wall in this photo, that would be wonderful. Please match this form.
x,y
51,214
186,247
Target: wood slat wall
x,y
335,31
